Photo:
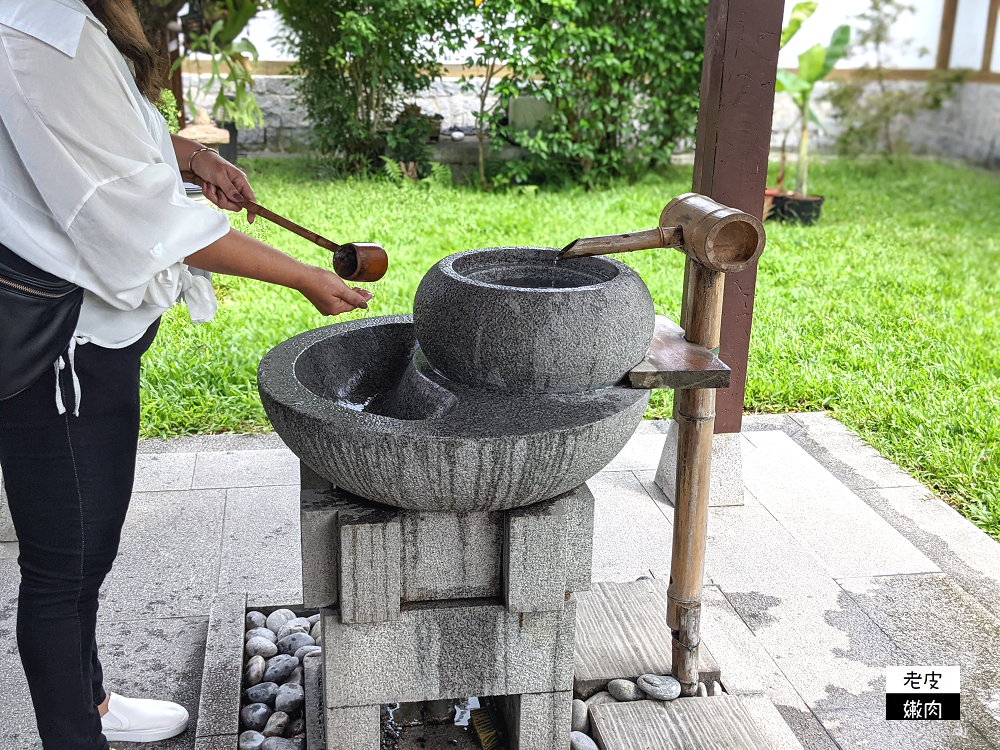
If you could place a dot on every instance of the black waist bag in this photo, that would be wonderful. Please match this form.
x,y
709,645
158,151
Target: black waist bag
x,y
38,314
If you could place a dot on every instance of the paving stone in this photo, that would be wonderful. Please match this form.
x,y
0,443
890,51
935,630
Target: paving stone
x,y
936,622
847,456
824,643
260,545
435,652
726,484
17,728
9,550
246,468
861,729
168,560
354,728
156,658
757,422
688,723
538,721
652,427
822,513
961,549
622,634
370,552
535,556
769,722
158,472
631,535
641,453
219,742
213,443
222,670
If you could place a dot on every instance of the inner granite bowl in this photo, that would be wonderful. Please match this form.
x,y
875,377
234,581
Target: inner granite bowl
x,y
516,320
359,405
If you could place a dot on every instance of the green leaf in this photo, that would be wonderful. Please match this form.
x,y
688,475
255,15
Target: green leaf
x,y
815,120
839,41
811,64
800,13
788,81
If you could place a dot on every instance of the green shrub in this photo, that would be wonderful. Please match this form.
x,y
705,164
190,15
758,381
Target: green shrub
x,y
623,79
359,61
168,108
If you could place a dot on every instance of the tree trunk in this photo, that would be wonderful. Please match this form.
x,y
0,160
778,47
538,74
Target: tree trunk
x,y
802,174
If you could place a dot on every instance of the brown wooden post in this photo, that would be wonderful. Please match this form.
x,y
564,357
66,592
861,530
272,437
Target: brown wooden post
x,y
947,35
730,165
991,33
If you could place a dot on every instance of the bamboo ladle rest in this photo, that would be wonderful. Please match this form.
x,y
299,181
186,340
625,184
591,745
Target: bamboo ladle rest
x,y
353,261
717,240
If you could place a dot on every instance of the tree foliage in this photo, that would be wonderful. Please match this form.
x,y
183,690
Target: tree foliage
x,y
622,76
869,107
359,61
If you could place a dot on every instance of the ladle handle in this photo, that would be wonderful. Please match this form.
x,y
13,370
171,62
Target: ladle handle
x,y
291,226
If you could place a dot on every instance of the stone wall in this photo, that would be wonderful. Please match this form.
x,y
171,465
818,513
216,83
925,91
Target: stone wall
x,y
967,127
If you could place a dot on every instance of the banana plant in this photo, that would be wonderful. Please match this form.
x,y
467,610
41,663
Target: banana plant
x,y
814,65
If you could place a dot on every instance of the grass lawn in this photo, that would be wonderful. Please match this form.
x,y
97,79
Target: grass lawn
x,y
884,314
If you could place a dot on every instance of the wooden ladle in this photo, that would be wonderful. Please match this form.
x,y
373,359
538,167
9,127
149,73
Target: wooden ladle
x,y
353,261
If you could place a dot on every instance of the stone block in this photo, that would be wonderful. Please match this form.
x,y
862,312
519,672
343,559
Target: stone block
x,y
354,728
451,555
534,556
222,672
315,711
319,503
538,721
449,650
622,633
718,723
369,555
579,538
726,486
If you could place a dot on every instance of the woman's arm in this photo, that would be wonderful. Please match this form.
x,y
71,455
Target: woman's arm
x,y
236,254
222,183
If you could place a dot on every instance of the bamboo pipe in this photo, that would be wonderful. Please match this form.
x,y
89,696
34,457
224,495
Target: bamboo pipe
x,y
717,239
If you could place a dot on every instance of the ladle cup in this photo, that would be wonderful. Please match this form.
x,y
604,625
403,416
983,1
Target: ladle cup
x,y
353,261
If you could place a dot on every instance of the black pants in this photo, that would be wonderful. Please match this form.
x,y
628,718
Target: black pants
x,y
69,481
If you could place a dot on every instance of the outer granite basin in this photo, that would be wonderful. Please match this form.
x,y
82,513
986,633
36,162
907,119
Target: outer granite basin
x,y
359,403
516,320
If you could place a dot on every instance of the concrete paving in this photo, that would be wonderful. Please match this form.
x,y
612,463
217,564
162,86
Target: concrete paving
x,y
838,565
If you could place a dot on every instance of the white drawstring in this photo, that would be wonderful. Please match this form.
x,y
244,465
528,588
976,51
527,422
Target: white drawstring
x,y
60,406
60,365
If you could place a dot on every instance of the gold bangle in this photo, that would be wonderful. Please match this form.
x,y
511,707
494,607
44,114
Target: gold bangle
x,y
194,154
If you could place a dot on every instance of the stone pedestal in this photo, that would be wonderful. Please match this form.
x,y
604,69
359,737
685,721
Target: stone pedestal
x,y
727,468
421,606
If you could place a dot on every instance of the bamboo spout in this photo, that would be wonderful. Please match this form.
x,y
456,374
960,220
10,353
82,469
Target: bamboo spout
x,y
648,239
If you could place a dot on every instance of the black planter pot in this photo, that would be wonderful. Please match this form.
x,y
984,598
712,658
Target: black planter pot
x,y
804,210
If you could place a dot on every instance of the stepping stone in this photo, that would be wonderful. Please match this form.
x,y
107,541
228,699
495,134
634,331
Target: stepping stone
x,y
621,633
718,723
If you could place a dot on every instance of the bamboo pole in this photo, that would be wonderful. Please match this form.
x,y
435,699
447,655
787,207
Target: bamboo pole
x,y
695,415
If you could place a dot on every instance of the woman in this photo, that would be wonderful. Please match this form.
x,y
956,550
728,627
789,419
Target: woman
x,y
91,193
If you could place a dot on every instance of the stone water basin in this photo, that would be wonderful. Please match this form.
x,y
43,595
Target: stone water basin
x,y
369,409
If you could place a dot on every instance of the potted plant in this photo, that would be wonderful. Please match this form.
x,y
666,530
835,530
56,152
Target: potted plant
x,y
814,65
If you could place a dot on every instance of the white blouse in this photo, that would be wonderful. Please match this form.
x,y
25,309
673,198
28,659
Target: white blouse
x,y
90,189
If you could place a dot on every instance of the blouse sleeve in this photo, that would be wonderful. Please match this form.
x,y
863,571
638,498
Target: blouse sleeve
x,y
80,133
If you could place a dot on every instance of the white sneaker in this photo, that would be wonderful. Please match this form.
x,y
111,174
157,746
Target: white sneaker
x,y
142,720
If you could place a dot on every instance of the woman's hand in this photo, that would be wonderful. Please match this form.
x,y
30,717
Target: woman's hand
x,y
329,294
222,183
